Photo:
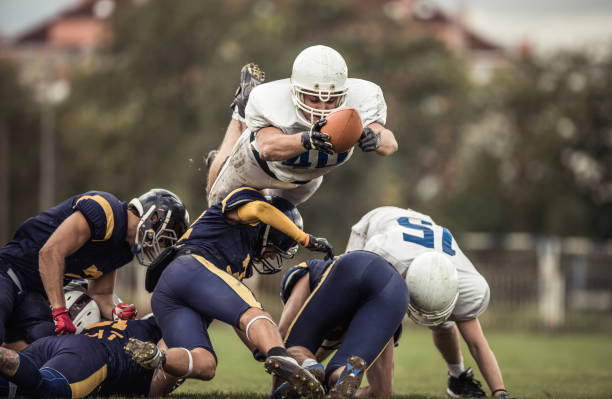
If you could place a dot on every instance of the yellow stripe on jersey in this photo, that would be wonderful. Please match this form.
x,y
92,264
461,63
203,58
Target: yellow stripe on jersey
x,y
83,388
232,193
239,288
108,211
256,211
323,277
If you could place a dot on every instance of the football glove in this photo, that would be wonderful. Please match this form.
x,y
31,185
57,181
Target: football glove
x,y
124,311
369,140
63,324
319,245
315,140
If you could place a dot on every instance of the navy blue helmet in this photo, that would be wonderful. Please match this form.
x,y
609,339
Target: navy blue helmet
x,y
163,220
284,246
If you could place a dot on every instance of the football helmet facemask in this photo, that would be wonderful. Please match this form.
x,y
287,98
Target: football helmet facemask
x,y
271,240
433,285
163,220
318,71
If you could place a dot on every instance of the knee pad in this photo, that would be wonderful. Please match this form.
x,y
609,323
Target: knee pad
x,y
54,384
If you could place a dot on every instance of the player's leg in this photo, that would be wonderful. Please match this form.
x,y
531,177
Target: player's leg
x,y
250,76
184,329
8,297
384,302
240,169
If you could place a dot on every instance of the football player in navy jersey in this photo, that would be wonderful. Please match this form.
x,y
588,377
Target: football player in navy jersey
x,y
203,282
90,363
87,236
353,303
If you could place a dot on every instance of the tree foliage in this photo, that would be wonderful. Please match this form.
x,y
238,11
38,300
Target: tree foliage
x,y
529,151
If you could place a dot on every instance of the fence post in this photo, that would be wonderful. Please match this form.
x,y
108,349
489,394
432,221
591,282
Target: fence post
x,y
551,284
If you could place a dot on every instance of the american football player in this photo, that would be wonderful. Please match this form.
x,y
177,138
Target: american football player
x,y
202,281
87,236
357,301
79,365
452,299
282,148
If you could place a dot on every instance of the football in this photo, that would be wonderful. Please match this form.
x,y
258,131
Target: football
x,y
343,127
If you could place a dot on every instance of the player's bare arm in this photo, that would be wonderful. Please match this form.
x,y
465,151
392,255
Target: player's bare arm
x,y
101,290
388,144
274,145
482,353
71,235
299,294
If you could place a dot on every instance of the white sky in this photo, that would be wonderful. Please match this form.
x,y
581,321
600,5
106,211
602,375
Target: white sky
x,y
548,24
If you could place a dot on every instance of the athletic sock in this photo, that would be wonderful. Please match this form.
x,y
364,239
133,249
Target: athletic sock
x,y
455,370
278,351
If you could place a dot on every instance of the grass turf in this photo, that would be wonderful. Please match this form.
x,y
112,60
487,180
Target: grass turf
x,y
551,365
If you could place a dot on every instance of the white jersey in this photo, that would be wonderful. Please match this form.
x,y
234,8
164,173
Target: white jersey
x,y
270,104
400,235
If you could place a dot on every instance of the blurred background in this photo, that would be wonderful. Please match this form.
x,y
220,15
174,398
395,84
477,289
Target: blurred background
x,y
502,110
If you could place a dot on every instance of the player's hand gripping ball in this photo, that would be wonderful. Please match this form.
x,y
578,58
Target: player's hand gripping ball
x,y
344,128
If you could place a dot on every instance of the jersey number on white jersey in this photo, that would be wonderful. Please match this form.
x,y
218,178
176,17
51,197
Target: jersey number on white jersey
x,y
427,239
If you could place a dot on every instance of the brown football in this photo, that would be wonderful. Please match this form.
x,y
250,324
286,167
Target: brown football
x,y
344,128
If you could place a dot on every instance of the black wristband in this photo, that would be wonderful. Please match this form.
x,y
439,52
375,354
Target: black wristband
x,y
497,390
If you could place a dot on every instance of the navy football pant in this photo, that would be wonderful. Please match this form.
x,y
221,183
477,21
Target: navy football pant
x,y
192,292
23,316
363,295
69,366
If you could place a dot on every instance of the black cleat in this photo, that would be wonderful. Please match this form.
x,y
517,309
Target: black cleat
x,y
349,380
286,391
465,386
250,76
302,382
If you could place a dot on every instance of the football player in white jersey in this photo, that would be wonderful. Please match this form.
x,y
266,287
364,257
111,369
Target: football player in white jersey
x,y
282,148
413,243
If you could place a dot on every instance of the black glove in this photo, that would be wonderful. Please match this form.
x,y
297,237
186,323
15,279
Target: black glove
x,y
315,140
369,141
319,245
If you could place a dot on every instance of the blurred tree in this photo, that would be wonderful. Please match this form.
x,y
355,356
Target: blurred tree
x,y
19,131
539,159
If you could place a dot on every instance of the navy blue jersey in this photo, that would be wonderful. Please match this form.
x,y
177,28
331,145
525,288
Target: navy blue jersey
x,y
315,269
106,250
125,375
95,362
229,246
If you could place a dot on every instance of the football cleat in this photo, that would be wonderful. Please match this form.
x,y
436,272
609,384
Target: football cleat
x,y
349,380
302,382
146,354
465,386
287,391
250,76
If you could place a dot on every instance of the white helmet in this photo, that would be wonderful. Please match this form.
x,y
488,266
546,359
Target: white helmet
x,y
82,309
319,71
434,288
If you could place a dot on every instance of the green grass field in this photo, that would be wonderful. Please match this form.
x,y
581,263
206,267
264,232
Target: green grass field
x,y
555,365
